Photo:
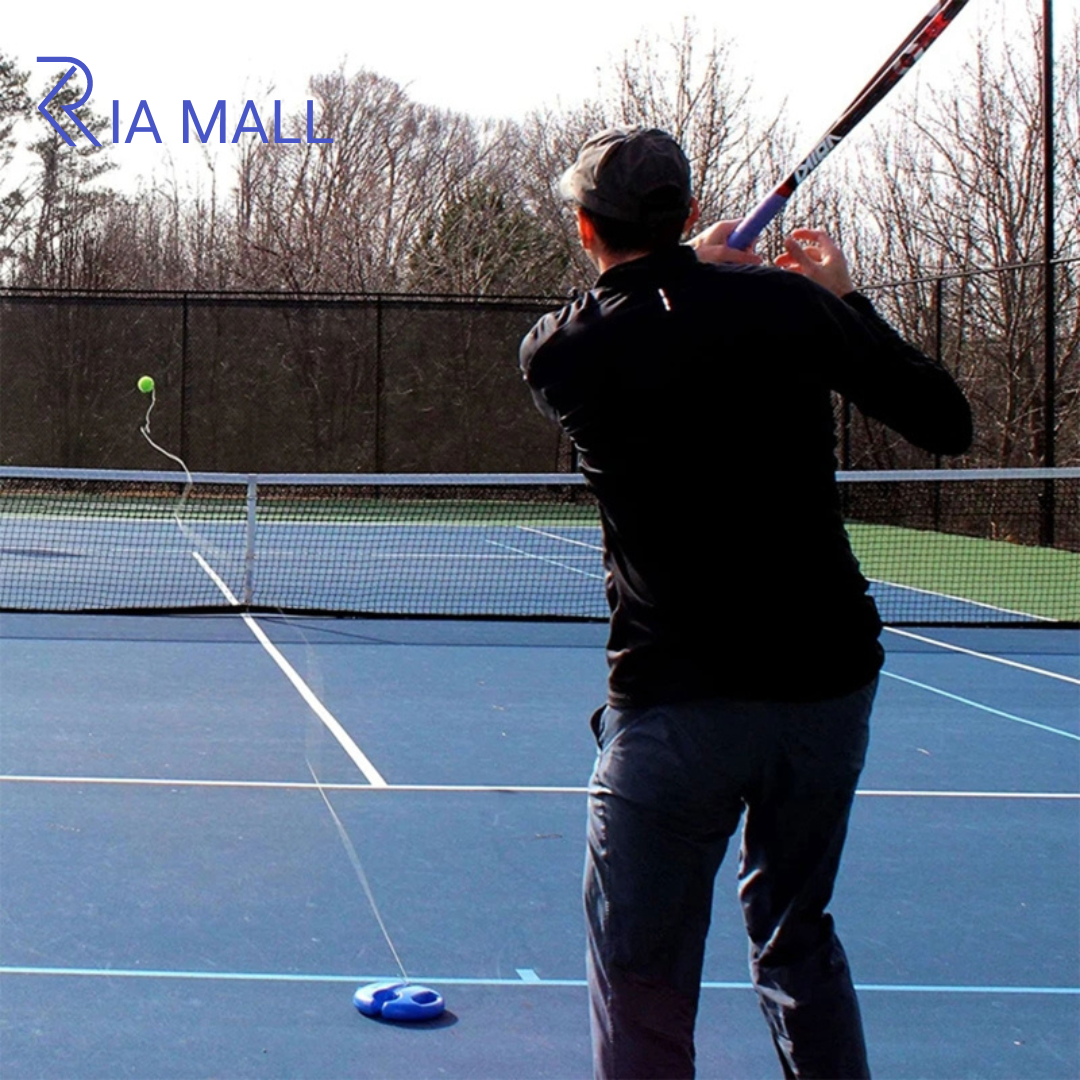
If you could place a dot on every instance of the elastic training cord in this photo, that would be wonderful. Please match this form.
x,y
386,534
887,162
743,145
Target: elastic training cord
x,y
350,849
189,483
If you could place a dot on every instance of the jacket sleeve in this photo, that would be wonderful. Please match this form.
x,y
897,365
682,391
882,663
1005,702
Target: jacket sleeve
x,y
556,382
530,367
896,383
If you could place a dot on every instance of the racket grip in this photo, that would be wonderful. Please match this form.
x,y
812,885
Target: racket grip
x,y
753,225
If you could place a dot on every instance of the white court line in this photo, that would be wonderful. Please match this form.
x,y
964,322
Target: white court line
x,y
982,707
469,789
966,601
561,539
1061,795
529,980
984,656
345,740
290,785
445,556
543,559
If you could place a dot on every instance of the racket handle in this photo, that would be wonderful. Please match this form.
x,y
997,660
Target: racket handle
x,y
753,225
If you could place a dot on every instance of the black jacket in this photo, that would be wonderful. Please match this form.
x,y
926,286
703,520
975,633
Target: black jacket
x,y
699,399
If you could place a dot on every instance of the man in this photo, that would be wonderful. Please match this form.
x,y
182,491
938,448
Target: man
x,y
743,648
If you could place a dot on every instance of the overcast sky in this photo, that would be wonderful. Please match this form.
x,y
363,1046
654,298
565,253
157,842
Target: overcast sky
x,y
485,57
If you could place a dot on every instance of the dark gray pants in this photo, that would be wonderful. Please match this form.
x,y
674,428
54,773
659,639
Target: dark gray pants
x,y
669,787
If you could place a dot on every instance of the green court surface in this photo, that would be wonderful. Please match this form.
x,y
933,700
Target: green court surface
x,y
1024,580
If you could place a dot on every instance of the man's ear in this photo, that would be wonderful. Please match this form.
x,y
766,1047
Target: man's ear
x,y
585,230
693,217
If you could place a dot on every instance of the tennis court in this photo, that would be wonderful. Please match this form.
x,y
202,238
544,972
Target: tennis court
x,y
176,899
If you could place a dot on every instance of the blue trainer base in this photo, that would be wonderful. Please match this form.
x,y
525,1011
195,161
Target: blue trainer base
x,y
399,1001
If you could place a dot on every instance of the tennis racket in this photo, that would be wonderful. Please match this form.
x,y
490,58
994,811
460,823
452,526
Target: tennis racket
x,y
929,29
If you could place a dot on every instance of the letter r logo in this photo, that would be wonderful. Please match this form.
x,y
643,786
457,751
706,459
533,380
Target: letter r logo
x,y
68,110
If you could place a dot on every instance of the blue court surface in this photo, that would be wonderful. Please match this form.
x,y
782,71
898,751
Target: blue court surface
x,y
176,899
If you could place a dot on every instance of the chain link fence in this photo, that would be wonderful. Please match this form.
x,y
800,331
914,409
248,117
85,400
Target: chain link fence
x,y
331,383
267,384
988,328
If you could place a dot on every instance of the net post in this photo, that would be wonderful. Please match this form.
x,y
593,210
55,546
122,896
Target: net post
x,y
249,544
185,427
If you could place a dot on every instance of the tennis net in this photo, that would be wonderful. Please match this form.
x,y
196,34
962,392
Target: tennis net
x,y
940,547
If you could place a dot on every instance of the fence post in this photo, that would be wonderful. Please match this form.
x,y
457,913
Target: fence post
x,y
1047,499
845,434
379,384
939,341
185,449
1049,280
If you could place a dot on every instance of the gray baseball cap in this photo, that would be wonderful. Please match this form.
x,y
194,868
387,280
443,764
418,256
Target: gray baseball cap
x,y
637,175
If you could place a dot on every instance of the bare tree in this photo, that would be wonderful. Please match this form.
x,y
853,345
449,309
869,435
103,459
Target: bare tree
x,y
955,185
345,215
59,248
14,106
488,242
690,90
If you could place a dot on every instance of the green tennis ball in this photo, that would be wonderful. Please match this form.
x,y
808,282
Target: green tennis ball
x,y
146,384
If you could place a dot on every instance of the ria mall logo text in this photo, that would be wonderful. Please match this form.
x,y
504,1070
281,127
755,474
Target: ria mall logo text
x,y
142,121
